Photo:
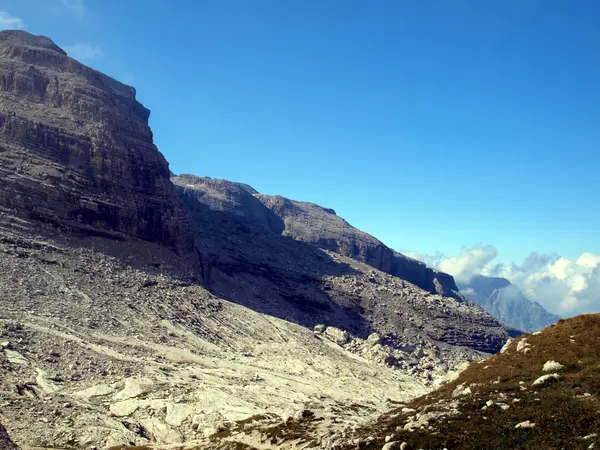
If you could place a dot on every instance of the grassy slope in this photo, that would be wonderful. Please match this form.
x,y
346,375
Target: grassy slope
x,y
564,411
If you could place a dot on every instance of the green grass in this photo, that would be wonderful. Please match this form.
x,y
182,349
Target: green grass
x,y
562,416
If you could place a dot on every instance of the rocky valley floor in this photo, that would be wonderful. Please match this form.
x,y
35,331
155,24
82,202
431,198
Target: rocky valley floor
x,y
100,352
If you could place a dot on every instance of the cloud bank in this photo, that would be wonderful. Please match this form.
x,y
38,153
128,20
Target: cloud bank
x,y
562,286
8,22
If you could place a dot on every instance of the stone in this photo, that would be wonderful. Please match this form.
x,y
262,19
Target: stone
x,y
76,149
506,346
338,336
391,445
461,391
546,379
552,366
525,424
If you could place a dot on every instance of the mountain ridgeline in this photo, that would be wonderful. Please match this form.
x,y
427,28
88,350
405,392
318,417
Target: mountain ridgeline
x,y
506,302
142,308
318,226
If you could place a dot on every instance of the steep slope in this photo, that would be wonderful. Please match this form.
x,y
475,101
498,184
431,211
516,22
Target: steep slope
x,y
76,150
321,227
96,353
542,391
5,441
506,302
253,264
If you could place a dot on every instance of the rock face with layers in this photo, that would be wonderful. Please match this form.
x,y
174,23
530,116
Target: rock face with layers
x,y
319,226
76,150
260,257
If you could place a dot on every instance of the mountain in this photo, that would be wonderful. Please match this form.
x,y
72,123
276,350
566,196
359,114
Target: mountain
x,y
541,391
314,224
77,150
286,255
138,311
507,303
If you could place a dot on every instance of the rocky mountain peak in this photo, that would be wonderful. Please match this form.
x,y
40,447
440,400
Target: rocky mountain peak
x,y
506,302
76,150
22,38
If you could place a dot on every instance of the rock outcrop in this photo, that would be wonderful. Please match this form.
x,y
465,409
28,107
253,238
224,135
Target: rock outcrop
x,y
76,150
5,442
316,225
270,258
323,227
504,301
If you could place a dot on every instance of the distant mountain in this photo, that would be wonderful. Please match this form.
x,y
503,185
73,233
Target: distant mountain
x,y
506,302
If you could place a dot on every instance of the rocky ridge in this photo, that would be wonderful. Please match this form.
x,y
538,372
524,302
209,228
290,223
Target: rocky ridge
x,y
76,150
314,224
253,262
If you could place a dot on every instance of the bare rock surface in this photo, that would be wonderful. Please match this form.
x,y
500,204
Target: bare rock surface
x,y
314,224
253,263
76,149
6,442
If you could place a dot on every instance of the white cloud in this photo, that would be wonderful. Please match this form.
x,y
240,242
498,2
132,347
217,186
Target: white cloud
x,y
83,51
568,287
430,260
469,262
8,22
562,286
76,7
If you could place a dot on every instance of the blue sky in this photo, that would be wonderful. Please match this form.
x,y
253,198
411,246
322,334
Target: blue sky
x,y
430,124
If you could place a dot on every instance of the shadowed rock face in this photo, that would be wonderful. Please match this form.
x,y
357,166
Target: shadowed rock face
x,y
76,149
318,226
5,442
290,259
322,227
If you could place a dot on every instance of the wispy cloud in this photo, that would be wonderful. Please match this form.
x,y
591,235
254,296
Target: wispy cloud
x,y
83,51
469,262
564,286
76,7
8,22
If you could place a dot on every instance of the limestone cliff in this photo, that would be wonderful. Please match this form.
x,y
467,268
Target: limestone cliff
x,y
76,150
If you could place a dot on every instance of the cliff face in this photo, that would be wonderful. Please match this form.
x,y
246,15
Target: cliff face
x,y
302,262
76,149
320,226
109,339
